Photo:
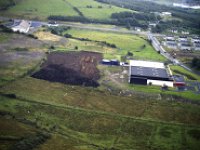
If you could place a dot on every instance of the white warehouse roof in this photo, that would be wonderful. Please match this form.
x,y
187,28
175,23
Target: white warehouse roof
x,y
148,64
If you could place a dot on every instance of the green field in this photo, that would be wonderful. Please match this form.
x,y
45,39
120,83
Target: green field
x,y
124,42
87,118
37,9
181,71
40,9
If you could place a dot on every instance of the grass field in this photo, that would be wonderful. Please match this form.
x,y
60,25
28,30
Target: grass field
x,y
86,118
37,9
95,12
4,37
19,56
181,71
40,9
124,43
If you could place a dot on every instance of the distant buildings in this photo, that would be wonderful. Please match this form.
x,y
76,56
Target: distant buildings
x,y
170,42
182,43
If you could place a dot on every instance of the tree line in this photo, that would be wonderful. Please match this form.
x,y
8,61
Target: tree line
x,y
190,18
196,63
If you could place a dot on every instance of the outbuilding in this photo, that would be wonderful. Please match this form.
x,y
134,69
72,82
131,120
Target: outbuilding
x,y
149,73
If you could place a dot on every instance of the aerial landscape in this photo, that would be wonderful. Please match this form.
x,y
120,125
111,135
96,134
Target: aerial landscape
x,y
99,74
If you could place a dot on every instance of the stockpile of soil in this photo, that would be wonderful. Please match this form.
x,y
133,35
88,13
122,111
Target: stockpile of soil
x,y
75,68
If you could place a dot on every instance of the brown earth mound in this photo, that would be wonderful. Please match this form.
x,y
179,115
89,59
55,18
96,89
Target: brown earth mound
x,y
76,68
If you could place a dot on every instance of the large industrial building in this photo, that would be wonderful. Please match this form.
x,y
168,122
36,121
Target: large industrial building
x,y
149,73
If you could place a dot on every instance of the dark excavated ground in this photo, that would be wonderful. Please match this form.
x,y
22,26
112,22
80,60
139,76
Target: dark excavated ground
x,y
75,68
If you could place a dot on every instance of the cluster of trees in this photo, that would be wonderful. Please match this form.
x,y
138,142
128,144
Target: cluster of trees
x,y
78,11
190,18
81,19
101,42
130,19
138,16
5,29
5,4
196,63
126,22
90,6
31,142
170,24
58,30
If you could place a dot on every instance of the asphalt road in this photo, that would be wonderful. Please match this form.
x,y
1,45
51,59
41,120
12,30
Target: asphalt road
x,y
158,47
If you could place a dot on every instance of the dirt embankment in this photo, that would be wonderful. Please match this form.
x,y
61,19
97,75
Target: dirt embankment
x,y
76,68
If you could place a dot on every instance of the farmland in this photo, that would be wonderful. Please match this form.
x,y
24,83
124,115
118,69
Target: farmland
x,y
55,94
19,55
125,43
37,9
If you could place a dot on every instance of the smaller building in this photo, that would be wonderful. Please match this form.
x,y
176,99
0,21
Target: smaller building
x,y
183,39
171,45
35,24
174,31
152,24
185,46
169,14
185,32
138,29
169,38
170,42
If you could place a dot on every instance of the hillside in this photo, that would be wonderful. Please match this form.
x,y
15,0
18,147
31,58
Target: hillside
x,y
66,84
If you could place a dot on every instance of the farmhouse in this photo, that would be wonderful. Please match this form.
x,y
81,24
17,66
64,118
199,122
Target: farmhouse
x,y
149,73
22,27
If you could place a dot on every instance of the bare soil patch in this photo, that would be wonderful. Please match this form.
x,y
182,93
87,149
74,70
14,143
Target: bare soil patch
x,y
75,68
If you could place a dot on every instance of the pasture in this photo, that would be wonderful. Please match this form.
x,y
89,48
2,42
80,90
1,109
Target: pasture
x,y
181,71
37,9
125,43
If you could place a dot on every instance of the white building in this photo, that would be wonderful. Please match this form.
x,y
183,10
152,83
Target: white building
x,y
23,27
169,14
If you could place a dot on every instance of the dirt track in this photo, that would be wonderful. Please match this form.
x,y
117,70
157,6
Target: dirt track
x,y
76,68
